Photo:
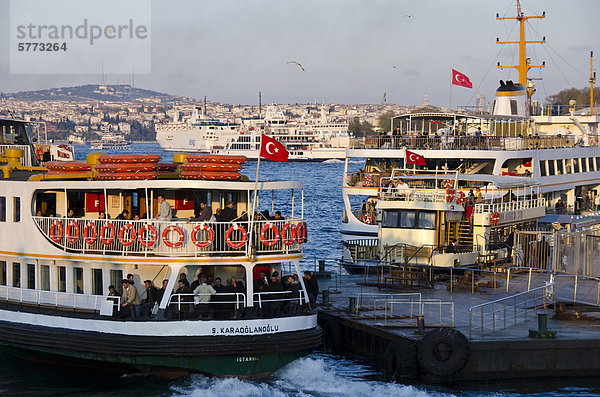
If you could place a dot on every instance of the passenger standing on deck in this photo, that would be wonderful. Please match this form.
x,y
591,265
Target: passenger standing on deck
x,y
152,294
164,209
202,295
123,215
312,287
130,300
228,213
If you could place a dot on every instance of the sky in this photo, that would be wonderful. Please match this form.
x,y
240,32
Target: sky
x,y
353,51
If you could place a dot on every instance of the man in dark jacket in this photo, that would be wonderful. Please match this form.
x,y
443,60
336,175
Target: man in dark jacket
x,y
228,213
152,295
312,287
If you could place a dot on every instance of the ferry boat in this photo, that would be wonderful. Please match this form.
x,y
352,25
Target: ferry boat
x,y
110,141
68,239
313,140
558,152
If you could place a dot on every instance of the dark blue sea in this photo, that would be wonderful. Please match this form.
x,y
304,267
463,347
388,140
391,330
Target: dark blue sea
x,y
319,374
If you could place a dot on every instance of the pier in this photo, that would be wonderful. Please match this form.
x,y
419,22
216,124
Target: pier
x,y
472,325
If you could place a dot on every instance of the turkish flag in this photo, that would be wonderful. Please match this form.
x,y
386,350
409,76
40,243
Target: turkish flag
x,y
460,79
413,158
270,149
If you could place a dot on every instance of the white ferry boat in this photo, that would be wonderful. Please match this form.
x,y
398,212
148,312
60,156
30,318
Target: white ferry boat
x,y
314,140
559,153
66,243
110,141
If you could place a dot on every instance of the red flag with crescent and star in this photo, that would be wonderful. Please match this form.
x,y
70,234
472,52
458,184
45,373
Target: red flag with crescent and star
x,y
460,79
270,149
413,158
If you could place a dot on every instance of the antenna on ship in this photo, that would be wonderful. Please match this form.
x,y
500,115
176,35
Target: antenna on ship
x,y
205,105
592,82
524,62
259,104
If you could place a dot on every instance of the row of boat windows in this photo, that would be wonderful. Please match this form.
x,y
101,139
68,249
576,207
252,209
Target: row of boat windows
x,y
25,277
16,212
406,219
569,166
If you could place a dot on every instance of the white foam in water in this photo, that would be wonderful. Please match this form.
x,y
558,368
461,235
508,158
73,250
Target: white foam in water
x,y
304,377
335,161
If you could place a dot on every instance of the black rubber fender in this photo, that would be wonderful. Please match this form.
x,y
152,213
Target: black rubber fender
x,y
333,338
401,361
444,351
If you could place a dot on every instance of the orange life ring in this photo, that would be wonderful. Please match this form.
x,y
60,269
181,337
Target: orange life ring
x,y
165,236
495,219
129,158
367,219
39,152
145,242
302,232
378,193
53,236
113,233
263,237
86,237
240,243
132,234
447,183
209,230
367,181
74,237
284,229
450,195
460,197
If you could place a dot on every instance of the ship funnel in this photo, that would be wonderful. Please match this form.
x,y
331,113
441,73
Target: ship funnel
x,y
511,100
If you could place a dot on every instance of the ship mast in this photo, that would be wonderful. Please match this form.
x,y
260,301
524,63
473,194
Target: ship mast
x,y
524,62
592,81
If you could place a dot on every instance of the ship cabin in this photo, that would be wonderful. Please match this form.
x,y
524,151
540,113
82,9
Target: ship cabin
x,y
444,218
69,236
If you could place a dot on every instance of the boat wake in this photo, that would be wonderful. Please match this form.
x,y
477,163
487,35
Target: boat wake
x,y
311,376
333,161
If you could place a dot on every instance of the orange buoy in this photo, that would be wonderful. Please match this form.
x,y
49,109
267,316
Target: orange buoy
x,y
227,167
215,158
125,167
125,176
129,158
210,175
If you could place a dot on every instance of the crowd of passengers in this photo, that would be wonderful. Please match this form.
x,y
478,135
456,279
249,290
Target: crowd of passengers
x,y
207,298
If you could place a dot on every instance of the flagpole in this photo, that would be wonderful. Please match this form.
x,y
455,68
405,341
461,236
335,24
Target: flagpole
x,y
450,90
254,199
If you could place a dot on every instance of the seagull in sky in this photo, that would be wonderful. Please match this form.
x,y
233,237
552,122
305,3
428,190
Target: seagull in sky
x,y
297,63
408,16
394,67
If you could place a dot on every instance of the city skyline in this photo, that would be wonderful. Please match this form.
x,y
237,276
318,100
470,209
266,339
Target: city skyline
x,y
351,51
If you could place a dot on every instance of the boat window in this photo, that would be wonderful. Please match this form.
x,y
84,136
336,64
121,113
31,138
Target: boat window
x,y
2,272
2,209
407,219
591,164
97,281
17,209
550,167
16,276
560,167
30,276
426,220
598,163
45,278
513,107
390,219
575,165
78,280
543,167
568,166
115,279
62,278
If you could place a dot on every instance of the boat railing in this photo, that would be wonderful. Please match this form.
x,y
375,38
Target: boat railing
x,y
190,299
461,142
366,217
56,299
178,237
508,206
265,299
26,159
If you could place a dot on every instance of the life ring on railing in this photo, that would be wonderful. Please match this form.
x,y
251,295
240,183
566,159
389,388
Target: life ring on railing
x,y
165,236
39,153
367,181
53,236
367,219
450,195
447,183
263,237
494,219
237,244
209,230
302,232
284,229
145,242
132,234
113,233
86,237
460,197
71,238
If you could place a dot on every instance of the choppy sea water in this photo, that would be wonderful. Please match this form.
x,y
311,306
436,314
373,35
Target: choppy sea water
x,y
318,374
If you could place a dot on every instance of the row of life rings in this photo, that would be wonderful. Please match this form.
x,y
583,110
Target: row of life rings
x,y
451,195
148,235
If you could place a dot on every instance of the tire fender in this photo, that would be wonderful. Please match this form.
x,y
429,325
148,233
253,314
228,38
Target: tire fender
x,y
401,362
444,351
333,338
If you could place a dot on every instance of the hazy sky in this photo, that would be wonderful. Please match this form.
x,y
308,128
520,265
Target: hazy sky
x,y
229,50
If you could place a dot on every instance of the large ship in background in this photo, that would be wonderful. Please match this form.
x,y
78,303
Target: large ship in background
x,y
312,139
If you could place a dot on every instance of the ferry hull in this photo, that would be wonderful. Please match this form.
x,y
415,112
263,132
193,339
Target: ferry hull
x,y
241,356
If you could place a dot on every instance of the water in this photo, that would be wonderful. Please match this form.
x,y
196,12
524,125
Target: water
x,y
316,375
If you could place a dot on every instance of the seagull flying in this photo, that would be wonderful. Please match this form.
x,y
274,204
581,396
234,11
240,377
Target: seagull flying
x,y
394,67
408,16
297,63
